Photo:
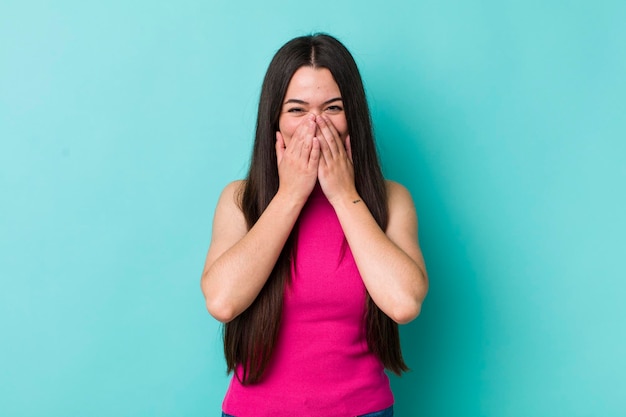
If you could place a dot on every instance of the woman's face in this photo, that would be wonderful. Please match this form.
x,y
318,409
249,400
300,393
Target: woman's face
x,y
312,90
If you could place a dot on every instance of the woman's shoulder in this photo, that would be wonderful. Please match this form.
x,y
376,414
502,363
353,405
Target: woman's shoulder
x,y
232,193
396,190
229,217
399,199
402,211
235,186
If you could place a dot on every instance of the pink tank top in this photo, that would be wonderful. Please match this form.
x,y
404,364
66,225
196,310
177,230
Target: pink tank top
x,y
321,365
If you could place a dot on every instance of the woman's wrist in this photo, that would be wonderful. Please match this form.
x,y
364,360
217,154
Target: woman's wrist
x,y
289,200
346,201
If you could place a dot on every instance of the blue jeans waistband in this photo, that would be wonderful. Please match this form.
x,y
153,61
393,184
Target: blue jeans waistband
x,y
387,412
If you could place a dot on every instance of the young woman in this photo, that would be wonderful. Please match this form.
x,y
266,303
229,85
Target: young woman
x,y
314,257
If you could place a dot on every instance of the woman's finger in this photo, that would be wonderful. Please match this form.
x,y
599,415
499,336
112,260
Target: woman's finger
x,y
349,148
330,134
280,147
314,157
327,133
325,151
305,131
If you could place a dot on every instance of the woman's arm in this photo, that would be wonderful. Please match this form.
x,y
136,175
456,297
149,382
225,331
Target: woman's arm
x,y
239,260
391,263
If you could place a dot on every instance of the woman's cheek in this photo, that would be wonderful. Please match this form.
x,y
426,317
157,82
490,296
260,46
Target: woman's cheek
x,y
286,130
342,127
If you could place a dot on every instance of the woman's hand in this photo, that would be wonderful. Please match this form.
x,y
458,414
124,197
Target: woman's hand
x,y
335,172
298,161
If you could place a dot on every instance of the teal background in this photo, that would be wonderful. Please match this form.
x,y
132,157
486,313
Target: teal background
x,y
121,121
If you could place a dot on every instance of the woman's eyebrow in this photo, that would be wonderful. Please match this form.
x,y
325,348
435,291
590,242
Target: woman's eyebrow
x,y
298,101
332,100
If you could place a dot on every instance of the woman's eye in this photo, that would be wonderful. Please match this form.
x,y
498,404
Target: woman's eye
x,y
295,110
334,108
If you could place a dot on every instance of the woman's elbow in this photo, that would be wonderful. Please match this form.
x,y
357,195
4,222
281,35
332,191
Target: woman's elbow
x,y
409,307
222,312
218,307
407,313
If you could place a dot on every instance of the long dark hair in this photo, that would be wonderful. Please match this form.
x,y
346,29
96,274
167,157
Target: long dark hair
x,y
249,339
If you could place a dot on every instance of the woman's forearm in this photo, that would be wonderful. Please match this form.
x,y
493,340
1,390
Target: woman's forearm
x,y
395,277
233,278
